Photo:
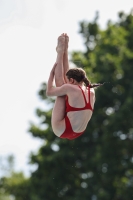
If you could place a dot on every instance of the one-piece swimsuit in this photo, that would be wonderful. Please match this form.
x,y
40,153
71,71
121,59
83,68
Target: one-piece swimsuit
x,y
69,133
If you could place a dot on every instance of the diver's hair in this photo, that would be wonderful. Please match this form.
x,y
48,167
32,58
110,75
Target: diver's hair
x,y
80,76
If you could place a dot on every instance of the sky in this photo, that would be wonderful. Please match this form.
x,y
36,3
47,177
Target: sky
x,y
28,38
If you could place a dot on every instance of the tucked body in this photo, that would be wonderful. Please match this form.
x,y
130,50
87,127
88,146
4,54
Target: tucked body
x,y
75,95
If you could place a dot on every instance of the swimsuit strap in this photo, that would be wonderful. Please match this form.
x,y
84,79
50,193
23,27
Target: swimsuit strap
x,y
87,105
84,95
89,95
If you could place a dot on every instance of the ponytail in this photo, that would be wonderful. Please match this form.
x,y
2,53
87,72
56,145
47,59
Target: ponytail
x,y
95,85
88,83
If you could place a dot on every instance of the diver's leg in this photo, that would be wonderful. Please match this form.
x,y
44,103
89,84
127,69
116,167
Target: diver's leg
x,y
65,57
59,70
58,112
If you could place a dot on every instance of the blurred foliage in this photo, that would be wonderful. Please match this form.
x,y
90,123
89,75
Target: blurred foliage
x,y
6,165
99,164
12,183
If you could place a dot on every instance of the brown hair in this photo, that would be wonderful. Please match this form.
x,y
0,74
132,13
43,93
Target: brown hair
x,y
80,76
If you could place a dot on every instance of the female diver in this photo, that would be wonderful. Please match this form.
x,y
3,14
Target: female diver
x,y
75,95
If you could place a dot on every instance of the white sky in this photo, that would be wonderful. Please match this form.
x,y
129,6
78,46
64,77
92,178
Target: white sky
x,y
28,35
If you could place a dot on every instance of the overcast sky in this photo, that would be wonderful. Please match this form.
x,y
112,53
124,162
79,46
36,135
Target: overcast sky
x,y
28,37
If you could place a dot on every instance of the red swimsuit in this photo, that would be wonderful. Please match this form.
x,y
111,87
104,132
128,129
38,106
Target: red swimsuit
x,y
69,133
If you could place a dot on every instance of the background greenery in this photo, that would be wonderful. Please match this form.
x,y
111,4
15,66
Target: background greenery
x,y
99,164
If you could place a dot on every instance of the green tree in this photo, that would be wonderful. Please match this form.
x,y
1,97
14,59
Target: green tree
x,y
15,186
12,184
6,169
99,164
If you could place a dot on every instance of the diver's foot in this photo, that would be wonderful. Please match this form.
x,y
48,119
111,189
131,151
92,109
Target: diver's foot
x,y
61,44
66,42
